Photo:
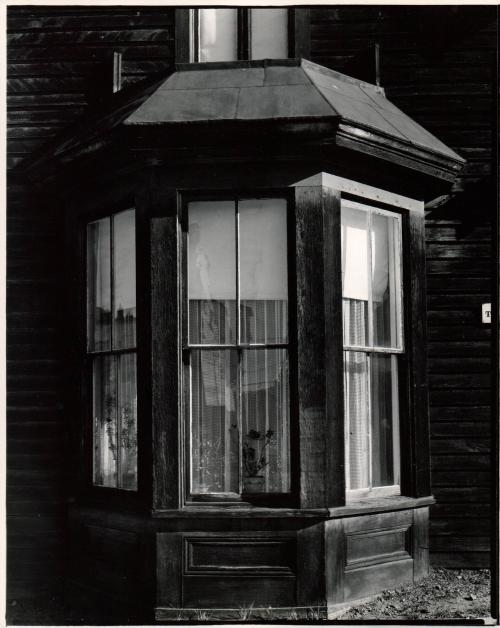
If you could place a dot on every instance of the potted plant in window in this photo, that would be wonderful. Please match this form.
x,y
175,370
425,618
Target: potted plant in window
x,y
254,460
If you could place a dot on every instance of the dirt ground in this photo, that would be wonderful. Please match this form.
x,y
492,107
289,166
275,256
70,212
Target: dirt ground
x,y
444,594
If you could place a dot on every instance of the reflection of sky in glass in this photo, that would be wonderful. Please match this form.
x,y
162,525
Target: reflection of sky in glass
x,y
124,260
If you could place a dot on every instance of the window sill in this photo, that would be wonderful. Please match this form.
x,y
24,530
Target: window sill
x,y
379,504
244,511
360,507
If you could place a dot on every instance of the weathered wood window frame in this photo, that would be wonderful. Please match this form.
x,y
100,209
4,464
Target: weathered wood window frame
x,y
186,40
271,499
320,347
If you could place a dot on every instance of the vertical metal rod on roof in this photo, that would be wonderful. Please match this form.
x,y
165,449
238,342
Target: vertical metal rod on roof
x,y
376,50
117,72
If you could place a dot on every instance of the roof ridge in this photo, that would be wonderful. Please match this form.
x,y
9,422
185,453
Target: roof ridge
x,y
321,69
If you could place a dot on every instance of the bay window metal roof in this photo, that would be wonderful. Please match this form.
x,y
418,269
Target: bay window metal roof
x,y
288,89
353,114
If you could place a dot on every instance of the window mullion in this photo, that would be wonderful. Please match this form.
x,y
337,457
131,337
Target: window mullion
x,y
369,411
117,368
111,279
395,421
194,53
243,42
370,287
238,340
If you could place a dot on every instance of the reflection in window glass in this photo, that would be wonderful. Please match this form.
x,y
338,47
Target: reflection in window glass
x,y
214,424
265,421
355,276
111,288
105,421
239,397
372,321
99,285
127,420
384,409
263,270
124,306
357,428
212,272
386,291
269,33
218,31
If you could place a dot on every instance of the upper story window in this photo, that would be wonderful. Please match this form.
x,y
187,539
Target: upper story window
x,y
233,34
373,344
237,346
111,349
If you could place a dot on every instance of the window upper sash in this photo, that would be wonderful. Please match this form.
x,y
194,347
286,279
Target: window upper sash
x,y
245,34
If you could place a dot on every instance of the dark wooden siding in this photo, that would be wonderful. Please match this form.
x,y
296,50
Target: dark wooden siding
x,y
56,57
437,64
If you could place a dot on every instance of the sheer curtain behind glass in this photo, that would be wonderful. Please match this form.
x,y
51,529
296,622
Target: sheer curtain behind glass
x,y
371,305
238,304
111,342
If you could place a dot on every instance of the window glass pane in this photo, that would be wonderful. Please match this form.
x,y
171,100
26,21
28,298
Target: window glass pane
x,y
212,272
127,421
124,296
269,33
105,421
357,422
214,423
384,407
265,421
263,270
99,285
386,289
218,34
355,273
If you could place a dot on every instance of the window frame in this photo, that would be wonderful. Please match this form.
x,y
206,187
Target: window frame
x,y
186,34
244,499
398,353
92,354
89,212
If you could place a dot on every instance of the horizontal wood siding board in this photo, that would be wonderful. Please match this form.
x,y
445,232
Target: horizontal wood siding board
x,y
50,79
36,430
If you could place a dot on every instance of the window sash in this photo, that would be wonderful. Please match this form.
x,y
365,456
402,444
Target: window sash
x,y
370,349
246,40
368,463
396,264
120,346
240,348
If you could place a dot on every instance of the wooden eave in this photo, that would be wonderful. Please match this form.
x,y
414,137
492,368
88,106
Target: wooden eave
x,y
260,101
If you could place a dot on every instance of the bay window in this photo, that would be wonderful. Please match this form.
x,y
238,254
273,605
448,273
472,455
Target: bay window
x,y
237,346
111,349
373,342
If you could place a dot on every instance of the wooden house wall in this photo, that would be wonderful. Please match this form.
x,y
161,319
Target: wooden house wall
x,y
438,65
57,58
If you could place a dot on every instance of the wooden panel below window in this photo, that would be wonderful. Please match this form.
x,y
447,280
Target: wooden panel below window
x,y
372,552
237,592
377,547
362,582
230,554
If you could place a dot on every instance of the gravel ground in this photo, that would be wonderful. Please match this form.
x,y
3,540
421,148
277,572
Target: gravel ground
x,y
444,594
